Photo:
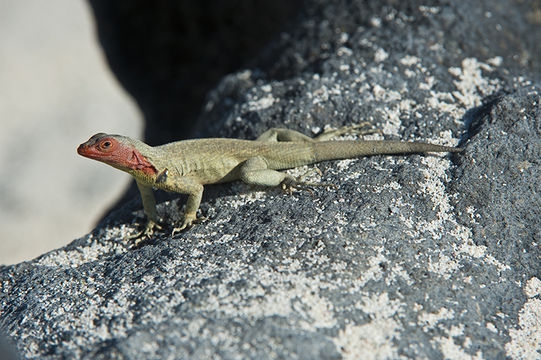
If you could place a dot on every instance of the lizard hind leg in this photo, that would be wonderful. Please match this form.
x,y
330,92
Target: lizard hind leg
x,y
281,135
284,135
300,183
255,171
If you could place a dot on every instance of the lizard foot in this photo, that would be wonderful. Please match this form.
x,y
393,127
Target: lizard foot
x,y
189,221
147,232
290,185
361,129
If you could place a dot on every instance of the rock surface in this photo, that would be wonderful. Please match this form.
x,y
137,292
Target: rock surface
x,y
422,256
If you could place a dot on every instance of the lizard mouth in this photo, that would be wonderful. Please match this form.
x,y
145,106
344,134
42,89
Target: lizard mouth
x,y
89,152
85,151
81,150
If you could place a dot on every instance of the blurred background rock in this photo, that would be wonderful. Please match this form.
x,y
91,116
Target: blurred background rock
x,y
56,90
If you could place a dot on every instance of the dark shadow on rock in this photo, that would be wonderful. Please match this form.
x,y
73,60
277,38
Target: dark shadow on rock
x,y
475,117
168,55
7,351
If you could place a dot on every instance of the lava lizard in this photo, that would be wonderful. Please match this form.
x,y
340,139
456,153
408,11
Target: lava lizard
x,y
185,166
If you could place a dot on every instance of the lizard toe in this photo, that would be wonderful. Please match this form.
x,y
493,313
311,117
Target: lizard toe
x,y
188,222
147,232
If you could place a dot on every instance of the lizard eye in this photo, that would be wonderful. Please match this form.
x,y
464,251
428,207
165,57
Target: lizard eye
x,y
106,145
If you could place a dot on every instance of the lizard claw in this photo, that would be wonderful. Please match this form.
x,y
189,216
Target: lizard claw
x,y
289,185
289,188
188,222
147,232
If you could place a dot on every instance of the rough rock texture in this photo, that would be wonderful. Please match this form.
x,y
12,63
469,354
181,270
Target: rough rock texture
x,y
411,257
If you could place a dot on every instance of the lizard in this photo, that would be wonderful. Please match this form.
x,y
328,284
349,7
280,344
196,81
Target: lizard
x,y
187,166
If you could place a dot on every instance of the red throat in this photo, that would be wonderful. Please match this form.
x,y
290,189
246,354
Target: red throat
x,y
110,150
139,162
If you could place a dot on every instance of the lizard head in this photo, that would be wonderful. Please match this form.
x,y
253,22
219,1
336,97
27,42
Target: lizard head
x,y
118,151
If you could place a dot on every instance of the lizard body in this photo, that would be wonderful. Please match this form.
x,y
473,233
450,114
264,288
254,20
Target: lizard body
x,y
185,166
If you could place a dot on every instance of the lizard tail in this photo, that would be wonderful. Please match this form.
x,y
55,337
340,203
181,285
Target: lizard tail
x,y
334,150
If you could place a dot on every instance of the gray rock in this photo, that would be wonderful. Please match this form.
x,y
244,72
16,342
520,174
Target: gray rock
x,y
6,349
422,256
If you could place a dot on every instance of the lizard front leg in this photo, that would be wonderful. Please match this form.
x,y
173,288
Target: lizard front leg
x,y
192,205
184,185
149,206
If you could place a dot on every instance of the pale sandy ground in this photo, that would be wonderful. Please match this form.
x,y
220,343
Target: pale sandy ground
x,y
56,90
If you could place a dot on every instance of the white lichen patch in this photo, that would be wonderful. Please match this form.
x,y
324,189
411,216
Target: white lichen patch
x,y
262,103
380,55
471,85
410,60
247,197
393,123
344,51
445,138
526,337
343,167
386,95
533,287
372,270
435,172
397,271
286,294
427,84
373,340
430,321
452,351
490,326
266,88
93,250
429,10
443,266
434,187
226,238
341,219
324,93
448,346
392,186
445,103
495,61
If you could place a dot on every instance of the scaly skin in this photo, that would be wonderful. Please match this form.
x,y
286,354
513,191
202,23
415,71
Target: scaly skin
x,y
186,166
